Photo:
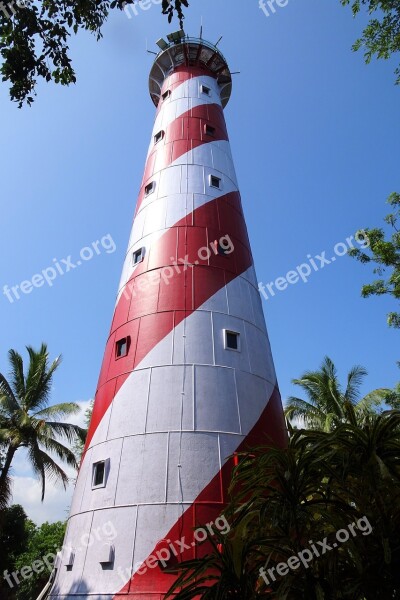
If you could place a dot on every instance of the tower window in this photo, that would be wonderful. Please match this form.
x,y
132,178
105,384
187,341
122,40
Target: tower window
x,y
99,474
232,340
215,181
122,347
166,95
107,555
209,129
159,136
138,256
69,563
150,187
205,90
220,250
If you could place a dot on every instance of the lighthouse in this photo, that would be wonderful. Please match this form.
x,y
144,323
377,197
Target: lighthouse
x,y
187,378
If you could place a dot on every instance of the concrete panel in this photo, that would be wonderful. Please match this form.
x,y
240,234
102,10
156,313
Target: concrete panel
x,y
129,408
216,406
142,474
114,527
230,358
169,408
256,389
68,581
103,496
193,461
193,340
261,362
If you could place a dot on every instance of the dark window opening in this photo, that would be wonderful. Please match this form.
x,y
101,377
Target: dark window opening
x,y
149,189
221,251
122,347
138,256
99,473
166,94
158,137
209,129
70,560
206,90
232,340
215,181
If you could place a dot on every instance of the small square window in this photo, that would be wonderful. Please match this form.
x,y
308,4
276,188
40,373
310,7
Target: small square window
x,y
149,189
220,250
205,90
215,181
166,95
69,562
159,136
232,340
122,347
99,474
138,256
209,129
107,556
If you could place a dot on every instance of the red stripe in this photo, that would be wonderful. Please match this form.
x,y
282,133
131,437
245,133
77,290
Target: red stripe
x,y
153,306
269,429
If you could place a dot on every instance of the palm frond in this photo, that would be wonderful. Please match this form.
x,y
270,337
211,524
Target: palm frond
x,y
58,411
354,380
64,453
17,377
66,431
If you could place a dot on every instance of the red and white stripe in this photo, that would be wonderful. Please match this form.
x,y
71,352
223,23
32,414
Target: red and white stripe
x,y
169,414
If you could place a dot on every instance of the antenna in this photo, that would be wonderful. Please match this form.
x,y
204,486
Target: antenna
x,y
149,51
219,40
201,28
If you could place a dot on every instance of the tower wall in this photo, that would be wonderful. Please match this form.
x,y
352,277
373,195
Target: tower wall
x,y
170,412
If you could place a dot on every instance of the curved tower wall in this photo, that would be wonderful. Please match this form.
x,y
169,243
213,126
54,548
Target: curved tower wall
x,y
178,401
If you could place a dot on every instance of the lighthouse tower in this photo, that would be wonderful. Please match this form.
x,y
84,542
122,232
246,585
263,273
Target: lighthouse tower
x,y
187,378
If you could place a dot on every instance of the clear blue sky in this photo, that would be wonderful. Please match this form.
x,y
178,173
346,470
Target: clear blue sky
x,y
315,135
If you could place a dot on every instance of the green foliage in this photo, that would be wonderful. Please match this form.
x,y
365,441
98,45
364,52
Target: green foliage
x,y
80,443
328,405
14,532
381,37
384,252
44,542
27,421
284,500
34,37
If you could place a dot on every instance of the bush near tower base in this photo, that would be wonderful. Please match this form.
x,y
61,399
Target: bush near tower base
x,y
287,502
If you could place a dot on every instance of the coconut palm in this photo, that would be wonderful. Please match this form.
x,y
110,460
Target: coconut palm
x,y
27,421
327,405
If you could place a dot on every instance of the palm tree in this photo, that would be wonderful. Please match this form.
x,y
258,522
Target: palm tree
x,y
327,406
27,421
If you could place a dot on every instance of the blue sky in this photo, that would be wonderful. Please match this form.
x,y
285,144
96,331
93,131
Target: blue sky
x,y
315,135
